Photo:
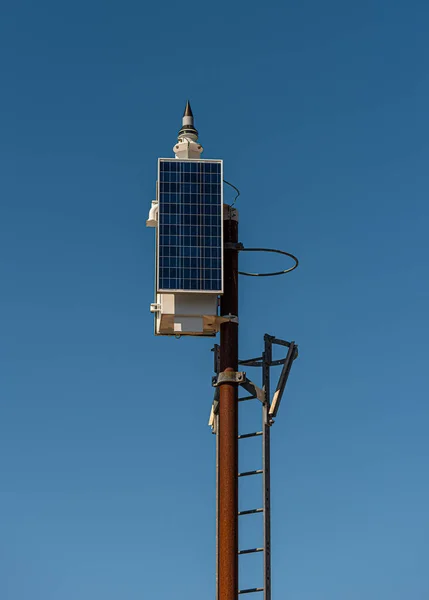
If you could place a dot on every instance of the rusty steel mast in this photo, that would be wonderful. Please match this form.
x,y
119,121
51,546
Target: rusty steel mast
x,y
228,417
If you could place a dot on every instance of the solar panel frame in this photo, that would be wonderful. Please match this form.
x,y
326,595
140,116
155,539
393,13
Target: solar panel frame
x,y
205,200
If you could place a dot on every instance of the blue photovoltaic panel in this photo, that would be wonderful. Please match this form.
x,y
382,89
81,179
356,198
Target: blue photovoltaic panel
x,y
190,225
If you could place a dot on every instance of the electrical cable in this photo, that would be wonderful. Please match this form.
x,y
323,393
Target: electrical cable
x,y
236,189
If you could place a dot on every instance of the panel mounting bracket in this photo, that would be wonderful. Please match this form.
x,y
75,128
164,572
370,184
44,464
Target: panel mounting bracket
x,y
227,319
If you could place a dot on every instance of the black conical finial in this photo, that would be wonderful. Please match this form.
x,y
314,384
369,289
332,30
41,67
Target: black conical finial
x,y
188,110
188,128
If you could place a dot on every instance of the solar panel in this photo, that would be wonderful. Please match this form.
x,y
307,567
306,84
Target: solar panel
x,y
190,226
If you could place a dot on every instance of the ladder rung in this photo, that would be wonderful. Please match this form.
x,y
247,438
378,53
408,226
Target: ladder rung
x,y
250,551
247,435
250,512
247,473
247,398
251,590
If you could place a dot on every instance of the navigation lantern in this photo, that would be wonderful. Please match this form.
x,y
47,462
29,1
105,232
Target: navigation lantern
x,y
188,217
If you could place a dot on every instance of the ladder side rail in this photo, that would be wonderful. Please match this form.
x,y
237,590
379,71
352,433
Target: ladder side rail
x,y
266,425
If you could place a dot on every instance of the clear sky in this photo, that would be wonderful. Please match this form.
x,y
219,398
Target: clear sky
x,y
320,112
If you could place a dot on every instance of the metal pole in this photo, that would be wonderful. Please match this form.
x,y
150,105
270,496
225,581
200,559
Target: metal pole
x,y
228,418
217,505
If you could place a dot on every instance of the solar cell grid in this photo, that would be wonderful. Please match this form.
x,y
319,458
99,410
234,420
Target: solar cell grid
x,y
190,226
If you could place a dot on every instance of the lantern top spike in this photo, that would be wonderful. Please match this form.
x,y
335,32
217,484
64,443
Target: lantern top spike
x,y
188,110
187,140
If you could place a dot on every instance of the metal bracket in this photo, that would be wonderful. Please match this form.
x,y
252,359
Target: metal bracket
x,y
240,378
227,319
233,246
232,377
229,377
284,375
253,389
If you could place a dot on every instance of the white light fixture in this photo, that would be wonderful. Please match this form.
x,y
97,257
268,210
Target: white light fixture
x,y
152,220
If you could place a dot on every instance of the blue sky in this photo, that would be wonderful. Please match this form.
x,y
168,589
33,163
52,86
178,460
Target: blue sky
x,y
319,111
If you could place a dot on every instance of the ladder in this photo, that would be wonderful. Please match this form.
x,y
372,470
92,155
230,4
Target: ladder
x,y
269,407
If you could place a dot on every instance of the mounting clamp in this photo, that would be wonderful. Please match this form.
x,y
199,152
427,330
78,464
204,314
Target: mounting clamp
x,y
233,246
240,378
232,377
229,377
226,319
